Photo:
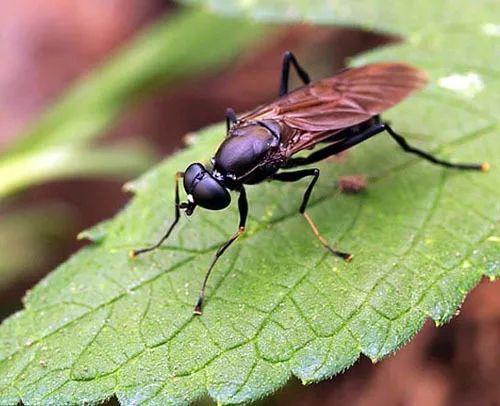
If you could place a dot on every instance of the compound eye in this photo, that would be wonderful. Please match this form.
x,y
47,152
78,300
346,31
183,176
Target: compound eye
x,y
193,171
210,194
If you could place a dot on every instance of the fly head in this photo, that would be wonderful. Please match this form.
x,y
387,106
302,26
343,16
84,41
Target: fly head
x,y
203,190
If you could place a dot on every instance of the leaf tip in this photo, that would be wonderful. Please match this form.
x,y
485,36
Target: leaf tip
x,y
129,187
88,235
190,138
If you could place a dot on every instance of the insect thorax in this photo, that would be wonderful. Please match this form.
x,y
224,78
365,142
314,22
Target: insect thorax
x,y
247,147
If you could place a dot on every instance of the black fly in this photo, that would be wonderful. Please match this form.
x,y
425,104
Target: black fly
x,y
341,112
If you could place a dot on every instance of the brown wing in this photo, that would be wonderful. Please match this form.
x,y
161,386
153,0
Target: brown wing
x,y
346,99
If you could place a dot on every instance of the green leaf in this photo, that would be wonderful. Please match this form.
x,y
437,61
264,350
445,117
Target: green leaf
x,y
277,304
383,15
67,161
172,49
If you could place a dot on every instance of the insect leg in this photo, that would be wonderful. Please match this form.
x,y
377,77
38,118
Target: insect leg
x,y
288,58
230,118
333,149
408,148
134,253
295,176
243,209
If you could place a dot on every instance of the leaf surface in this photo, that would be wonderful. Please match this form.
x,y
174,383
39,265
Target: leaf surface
x,y
277,304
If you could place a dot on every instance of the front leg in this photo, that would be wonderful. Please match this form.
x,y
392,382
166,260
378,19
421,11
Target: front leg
x,y
243,209
177,213
295,176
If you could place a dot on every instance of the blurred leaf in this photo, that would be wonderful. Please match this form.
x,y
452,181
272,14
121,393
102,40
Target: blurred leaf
x,y
393,16
27,236
174,48
66,161
277,304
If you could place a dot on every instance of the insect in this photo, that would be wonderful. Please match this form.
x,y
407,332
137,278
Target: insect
x,y
339,112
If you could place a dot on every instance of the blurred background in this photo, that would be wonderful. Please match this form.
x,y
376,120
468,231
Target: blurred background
x,y
58,179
